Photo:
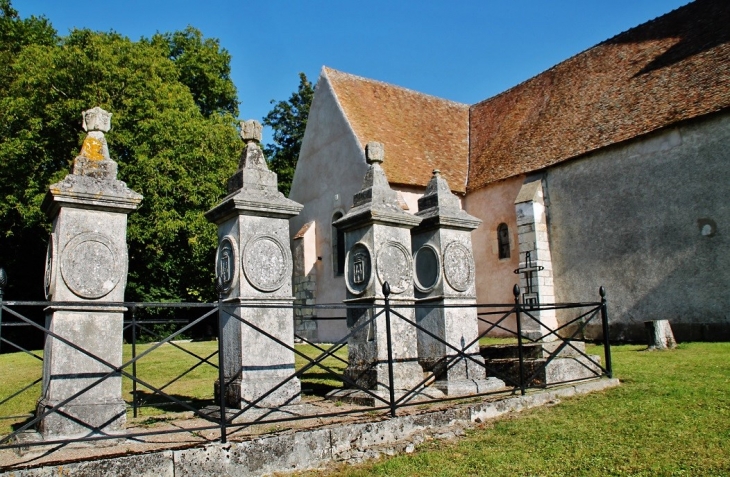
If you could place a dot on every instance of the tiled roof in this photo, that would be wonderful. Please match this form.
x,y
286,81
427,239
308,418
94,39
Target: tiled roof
x,y
673,68
420,132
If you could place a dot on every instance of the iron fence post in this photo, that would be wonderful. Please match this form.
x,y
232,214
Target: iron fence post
x,y
3,284
391,384
606,338
134,361
221,373
516,293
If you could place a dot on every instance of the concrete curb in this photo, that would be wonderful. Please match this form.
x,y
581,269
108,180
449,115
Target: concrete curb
x,y
312,448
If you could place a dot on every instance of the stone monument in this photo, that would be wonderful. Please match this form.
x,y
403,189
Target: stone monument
x,y
86,263
377,240
444,266
254,270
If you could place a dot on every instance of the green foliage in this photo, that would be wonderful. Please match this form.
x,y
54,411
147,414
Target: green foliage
x,y
173,134
288,119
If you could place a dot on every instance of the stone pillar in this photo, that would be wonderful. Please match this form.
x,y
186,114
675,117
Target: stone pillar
x,y
378,244
86,263
254,270
442,242
533,238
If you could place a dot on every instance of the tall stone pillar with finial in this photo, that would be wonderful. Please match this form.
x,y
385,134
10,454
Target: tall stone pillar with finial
x,y
377,240
86,263
445,293
254,270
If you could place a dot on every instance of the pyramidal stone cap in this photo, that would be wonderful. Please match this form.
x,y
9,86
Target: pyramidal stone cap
x,y
439,207
376,201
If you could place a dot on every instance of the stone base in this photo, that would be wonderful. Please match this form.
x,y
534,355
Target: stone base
x,y
242,392
468,387
262,413
82,420
375,376
362,398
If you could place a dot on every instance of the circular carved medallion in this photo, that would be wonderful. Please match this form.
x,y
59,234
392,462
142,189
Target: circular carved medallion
x,y
458,266
358,269
428,268
226,263
266,263
394,266
49,279
90,265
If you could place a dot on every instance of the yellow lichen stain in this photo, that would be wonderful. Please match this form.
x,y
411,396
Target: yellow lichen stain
x,y
92,149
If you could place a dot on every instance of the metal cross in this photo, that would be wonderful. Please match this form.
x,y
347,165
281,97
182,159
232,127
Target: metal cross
x,y
529,297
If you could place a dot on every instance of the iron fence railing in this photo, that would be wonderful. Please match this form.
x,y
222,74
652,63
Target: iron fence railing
x,y
519,374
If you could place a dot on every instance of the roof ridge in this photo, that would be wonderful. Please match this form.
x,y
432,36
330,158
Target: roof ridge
x,y
395,86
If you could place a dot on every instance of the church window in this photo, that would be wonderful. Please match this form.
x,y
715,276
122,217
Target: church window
x,y
503,240
338,247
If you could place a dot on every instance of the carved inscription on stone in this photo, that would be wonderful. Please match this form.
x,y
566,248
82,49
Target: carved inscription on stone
x,y
358,268
90,265
428,268
266,263
50,275
458,266
226,263
394,266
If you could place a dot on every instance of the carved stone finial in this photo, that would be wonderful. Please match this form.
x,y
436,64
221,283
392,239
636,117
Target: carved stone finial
x,y
436,172
251,131
96,119
374,152
93,159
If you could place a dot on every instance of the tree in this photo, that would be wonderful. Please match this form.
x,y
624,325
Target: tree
x,y
174,137
288,119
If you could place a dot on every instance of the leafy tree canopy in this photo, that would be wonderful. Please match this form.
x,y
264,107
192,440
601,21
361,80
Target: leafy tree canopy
x,y
288,119
173,135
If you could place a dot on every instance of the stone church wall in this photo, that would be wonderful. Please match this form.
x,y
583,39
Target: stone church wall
x,y
649,220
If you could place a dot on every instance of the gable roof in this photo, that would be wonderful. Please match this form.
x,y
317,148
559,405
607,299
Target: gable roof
x,y
420,132
670,69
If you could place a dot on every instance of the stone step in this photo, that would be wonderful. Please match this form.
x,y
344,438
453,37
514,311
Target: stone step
x,y
532,350
558,370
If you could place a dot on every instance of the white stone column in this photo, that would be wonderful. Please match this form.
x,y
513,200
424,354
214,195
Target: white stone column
x,y
254,269
444,266
378,244
533,237
86,263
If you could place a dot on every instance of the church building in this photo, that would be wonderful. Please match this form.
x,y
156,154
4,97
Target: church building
x,y
609,169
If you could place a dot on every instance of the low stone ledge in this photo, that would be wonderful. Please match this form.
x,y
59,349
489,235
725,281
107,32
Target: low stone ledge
x,y
313,448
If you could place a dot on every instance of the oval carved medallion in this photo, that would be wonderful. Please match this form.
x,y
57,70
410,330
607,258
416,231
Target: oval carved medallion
x,y
266,263
458,266
226,263
394,266
90,265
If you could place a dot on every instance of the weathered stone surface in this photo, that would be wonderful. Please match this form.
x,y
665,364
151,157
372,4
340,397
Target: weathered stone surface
x,y
377,239
86,262
659,334
443,242
254,270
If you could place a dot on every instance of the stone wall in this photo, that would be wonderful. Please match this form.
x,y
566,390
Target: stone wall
x,y
648,220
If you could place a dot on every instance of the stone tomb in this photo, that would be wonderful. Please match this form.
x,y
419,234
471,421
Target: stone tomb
x,y
377,240
86,263
444,266
254,269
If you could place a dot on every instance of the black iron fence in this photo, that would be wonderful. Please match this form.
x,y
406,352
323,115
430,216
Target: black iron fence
x,y
519,359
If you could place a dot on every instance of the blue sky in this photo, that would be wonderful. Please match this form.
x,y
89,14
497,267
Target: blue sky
x,y
464,51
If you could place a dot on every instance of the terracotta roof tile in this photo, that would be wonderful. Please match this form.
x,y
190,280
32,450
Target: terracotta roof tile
x,y
673,68
420,132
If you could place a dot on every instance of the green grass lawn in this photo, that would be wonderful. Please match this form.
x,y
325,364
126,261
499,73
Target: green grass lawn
x,y
670,417
158,368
